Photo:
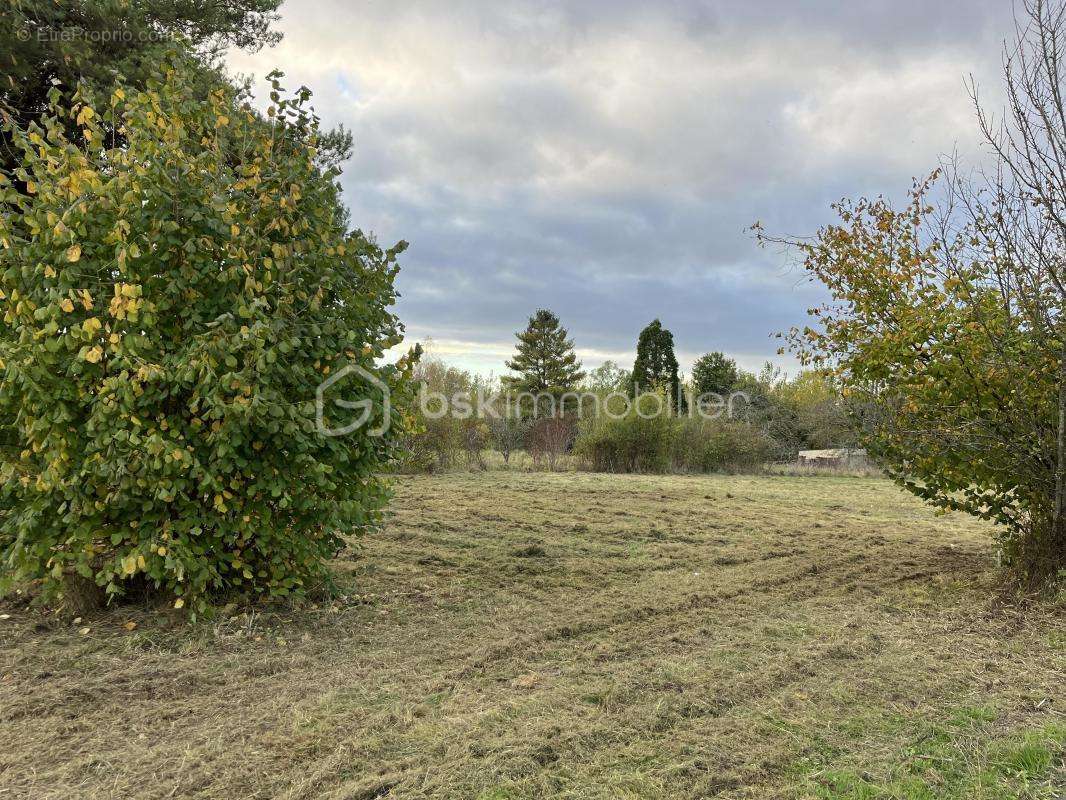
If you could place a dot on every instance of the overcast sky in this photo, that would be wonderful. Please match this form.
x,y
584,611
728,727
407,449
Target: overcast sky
x,y
606,159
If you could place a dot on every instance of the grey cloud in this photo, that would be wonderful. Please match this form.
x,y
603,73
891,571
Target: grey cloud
x,y
605,159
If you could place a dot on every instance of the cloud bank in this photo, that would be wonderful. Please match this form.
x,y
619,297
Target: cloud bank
x,y
606,159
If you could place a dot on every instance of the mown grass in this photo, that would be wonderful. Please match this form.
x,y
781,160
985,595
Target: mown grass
x,y
959,758
530,635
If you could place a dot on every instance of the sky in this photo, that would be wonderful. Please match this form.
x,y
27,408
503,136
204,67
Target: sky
x,y
607,158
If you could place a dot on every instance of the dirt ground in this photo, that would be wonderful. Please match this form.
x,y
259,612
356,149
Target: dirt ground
x,y
533,635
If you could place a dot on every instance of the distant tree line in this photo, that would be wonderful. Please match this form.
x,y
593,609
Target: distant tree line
x,y
545,408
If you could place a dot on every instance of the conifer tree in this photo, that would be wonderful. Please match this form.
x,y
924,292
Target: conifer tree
x,y
545,359
656,365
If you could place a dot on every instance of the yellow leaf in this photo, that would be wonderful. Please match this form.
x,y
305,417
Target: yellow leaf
x,y
66,305
162,551
179,603
74,252
94,354
130,625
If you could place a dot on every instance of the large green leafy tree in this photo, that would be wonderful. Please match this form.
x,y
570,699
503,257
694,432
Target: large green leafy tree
x,y
656,368
714,373
545,361
168,308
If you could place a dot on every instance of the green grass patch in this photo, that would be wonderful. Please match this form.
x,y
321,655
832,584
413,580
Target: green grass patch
x,y
962,758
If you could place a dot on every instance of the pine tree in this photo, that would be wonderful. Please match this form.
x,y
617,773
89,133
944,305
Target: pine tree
x,y
545,359
656,365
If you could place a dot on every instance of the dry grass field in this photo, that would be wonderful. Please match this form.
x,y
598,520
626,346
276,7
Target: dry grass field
x,y
532,635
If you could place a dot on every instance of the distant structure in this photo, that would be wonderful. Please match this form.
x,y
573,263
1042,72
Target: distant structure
x,y
839,458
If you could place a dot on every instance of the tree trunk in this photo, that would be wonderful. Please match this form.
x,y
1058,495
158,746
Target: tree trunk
x,y
81,595
1056,546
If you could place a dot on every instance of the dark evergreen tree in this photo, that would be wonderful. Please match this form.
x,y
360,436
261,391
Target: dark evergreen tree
x,y
656,365
60,43
713,373
545,359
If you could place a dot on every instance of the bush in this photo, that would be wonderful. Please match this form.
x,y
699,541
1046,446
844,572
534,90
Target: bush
x,y
551,437
508,434
701,445
169,307
475,436
627,444
665,443
435,441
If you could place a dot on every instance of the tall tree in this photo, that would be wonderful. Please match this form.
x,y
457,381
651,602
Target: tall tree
x,y
656,365
713,373
949,320
545,359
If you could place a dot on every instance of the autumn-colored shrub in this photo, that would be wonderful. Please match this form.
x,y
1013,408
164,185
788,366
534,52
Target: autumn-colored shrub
x,y
435,437
549,438
169,307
